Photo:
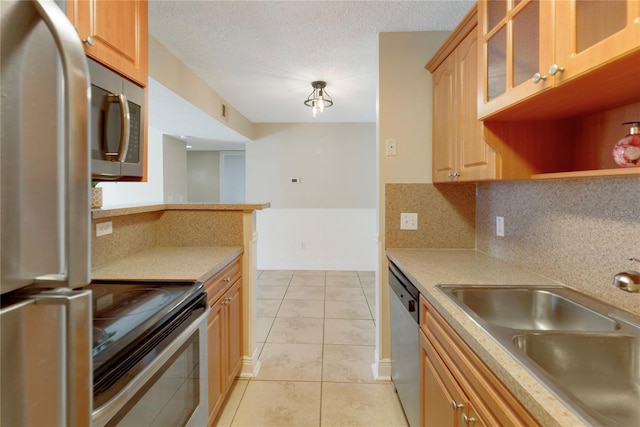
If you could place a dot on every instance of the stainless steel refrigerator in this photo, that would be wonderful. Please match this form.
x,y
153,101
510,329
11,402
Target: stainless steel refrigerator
x,y
45,360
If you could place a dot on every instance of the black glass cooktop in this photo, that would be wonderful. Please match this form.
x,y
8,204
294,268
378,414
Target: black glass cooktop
x,y
125,312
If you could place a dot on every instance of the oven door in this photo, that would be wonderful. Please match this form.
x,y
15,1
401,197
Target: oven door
x,y
170,390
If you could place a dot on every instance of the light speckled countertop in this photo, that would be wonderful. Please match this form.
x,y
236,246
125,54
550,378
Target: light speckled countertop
x,y
107,211
427,268
170,263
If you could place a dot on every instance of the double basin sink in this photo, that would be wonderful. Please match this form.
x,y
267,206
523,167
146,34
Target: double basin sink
x,y
585,351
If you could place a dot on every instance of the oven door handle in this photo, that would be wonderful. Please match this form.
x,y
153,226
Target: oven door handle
x,y
103,414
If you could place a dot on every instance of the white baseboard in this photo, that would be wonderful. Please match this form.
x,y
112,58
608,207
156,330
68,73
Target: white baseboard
x,y
250,366
381,369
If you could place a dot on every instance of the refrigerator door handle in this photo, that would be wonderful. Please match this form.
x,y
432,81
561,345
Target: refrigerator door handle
x,y
78,375
76,123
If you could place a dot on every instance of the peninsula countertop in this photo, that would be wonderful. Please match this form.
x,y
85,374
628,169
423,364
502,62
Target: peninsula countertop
x,y
169,263
121,210
427,268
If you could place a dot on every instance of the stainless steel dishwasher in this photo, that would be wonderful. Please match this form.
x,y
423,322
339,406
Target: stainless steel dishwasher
x,y
405,346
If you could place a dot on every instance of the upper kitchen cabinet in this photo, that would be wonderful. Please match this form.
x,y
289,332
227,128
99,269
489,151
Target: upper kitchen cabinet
x,y
591,33
551,59
460,152
114,33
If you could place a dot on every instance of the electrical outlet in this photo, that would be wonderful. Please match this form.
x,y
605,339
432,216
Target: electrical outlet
x,y
391,147
104,228
408,221
500,226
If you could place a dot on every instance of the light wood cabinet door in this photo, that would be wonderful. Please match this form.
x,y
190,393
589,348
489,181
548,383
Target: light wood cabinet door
x,y
459,150
224,294
233,321
589,33
457,388
476,160
516,44
216,368
441,404
444,402
444,125
114,33
532,46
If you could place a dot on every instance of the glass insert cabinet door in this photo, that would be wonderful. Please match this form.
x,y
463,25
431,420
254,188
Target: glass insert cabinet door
x,y
516,39
589,33
528,46
516,44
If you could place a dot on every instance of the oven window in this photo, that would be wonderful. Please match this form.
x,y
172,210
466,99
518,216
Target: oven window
x,y
171,397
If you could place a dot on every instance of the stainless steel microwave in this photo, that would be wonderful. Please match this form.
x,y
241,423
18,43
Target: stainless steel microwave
x,y
117,125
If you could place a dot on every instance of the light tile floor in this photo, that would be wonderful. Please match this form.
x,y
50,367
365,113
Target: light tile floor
x,y
316,332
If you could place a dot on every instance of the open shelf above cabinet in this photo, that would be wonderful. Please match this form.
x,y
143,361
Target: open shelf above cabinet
x,y
573,147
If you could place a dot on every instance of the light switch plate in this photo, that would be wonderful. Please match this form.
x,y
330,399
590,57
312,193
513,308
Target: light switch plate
x,y
408,221
391,147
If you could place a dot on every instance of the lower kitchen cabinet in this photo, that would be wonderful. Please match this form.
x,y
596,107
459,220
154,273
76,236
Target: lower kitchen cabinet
x,y
224,331
456,387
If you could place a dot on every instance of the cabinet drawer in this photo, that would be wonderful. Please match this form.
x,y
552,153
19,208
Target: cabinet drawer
x,y
222,280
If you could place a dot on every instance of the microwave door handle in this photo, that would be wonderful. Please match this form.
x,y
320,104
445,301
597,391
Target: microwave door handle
x,y
77,93
103,119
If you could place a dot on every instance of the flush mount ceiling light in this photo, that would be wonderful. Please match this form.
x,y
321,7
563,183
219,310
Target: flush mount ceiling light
x,y
319,99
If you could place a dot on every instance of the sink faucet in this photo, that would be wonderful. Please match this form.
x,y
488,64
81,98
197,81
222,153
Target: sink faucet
x,y
628,280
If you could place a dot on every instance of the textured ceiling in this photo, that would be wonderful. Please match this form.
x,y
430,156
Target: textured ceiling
x,y
262,56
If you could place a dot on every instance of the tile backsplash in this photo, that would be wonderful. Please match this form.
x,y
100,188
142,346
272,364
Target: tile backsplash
x,y
580,232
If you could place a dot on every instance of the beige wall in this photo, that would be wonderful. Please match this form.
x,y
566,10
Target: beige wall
x,y
174,170
405,104
404,114
334,161
203,176
169,71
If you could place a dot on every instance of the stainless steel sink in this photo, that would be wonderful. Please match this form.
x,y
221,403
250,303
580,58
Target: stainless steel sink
x,y
531,309
585,351
601,371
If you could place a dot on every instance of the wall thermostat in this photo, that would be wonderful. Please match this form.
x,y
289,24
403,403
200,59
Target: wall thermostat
x,y
295,180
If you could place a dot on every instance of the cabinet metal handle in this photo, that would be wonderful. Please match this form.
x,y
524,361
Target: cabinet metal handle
x,y
228,279
467,420
537,78
89,40
455,405
555,68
